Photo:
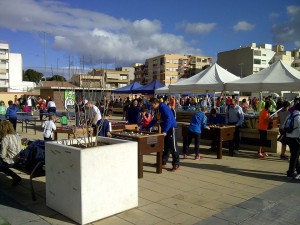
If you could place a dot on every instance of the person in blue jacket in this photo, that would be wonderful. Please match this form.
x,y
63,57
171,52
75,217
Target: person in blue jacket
x,y
105,128
197,124
215,118
165,118
11,113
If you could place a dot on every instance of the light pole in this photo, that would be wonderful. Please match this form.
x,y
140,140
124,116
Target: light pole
x,y
241,65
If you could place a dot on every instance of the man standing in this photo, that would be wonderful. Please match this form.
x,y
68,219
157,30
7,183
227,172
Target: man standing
x,y
293,141
165,118
93,116
235,116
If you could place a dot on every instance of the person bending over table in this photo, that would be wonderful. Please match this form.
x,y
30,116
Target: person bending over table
x,y
10,147
166,119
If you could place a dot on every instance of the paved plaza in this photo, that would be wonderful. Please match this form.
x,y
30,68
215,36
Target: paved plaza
x,y
234,190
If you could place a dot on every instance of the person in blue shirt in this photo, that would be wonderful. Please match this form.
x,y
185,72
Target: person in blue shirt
x,y
105,129
215,118
197,124
11,113
165,118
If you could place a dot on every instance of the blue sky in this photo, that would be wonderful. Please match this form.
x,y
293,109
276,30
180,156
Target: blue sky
x,y
121,32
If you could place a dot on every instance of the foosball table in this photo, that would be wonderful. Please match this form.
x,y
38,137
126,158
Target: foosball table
x,y
148,142
217,133
73,132
123,126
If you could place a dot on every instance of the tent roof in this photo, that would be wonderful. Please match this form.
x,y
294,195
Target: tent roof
x,y
149,88
276,77
210,79
128,88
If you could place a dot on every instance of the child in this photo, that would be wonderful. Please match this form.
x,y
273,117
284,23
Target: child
x,y
105,129
146,118
49,126
64,119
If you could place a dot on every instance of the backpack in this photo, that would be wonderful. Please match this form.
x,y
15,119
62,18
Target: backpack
x,y
32,155
289,124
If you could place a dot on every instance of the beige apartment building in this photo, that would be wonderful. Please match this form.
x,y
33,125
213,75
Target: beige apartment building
x,y
102,79
169,68
251,59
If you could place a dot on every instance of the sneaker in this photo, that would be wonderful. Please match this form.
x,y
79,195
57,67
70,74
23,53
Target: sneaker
x,y
265,154
164,166
261,155
296,176
291,175
175,167
284,157
198,157
184,156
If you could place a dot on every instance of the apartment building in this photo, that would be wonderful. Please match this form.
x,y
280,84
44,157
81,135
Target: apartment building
x,y
4,64
247,60
254,58
169,68
102,79
11,76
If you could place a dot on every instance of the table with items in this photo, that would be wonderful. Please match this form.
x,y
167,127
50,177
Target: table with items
x,y
148,142
217,133
73,132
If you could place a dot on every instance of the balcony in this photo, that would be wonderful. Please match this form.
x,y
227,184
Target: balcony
x,y
3,77
3,84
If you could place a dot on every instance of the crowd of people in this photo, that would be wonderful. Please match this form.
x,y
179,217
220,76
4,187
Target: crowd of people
x,y
161,112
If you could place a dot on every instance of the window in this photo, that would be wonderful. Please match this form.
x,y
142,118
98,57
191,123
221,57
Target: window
x,y
256,61
256,52
2,51
263,62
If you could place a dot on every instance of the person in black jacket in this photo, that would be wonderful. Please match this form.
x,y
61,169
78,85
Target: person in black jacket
x,y
134,113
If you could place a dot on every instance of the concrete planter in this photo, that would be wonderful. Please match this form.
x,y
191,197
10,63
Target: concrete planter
x,y
92,183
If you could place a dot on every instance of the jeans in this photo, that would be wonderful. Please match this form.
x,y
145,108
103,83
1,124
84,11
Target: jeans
x,y
237,136
294,146
189,139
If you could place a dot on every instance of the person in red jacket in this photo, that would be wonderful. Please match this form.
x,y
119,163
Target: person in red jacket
x,y
263,125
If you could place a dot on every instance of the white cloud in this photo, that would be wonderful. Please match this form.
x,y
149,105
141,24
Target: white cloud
x,y
197,28
289,31
274,15
243,26
92,34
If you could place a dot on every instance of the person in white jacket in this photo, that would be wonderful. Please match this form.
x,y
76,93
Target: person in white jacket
x,y
49,126
10,148
293,141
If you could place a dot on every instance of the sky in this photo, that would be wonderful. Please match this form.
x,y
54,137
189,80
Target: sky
x,y
55,35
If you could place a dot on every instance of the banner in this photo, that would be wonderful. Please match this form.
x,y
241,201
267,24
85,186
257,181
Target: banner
x,y
69,99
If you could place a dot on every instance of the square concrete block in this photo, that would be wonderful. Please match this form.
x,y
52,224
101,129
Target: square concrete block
x,y
88,184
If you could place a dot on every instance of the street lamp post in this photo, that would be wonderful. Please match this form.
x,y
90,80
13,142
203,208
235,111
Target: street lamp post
x,y
241,65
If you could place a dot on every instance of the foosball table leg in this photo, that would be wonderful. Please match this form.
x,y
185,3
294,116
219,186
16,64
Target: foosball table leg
x,y
159,162
219,149
140,166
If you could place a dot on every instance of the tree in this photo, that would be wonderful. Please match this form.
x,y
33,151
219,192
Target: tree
x,y
32,75
57,78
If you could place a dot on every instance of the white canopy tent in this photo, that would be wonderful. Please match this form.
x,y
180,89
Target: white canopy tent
x,y
210,80
277,77
165,90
